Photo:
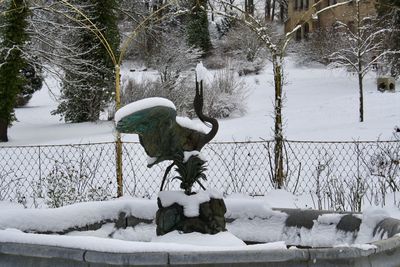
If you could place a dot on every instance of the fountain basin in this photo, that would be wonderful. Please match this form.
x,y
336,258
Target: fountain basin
x,y
305,232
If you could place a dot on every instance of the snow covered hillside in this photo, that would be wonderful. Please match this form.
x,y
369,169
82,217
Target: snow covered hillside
x,y
320,104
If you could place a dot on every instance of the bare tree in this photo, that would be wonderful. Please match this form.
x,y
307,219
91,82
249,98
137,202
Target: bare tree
x,y
363,46
276,45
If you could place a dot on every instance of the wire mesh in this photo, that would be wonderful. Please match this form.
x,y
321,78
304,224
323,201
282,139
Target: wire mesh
x,y
335,175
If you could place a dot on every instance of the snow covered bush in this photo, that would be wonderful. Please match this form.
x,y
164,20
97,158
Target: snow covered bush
x,y
316,48
242,43
243,46
180,92
334,192
10,186
226,94
173,56
384,168
71,181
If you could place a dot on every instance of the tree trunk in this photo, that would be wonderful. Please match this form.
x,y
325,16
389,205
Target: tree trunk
x,y
3,131
267,10
282,13
359,63
156,7
212,12
360,87
249,7
273,10
278,129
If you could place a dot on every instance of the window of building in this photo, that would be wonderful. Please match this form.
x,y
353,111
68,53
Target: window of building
x,y
306,30
298,34
306,4
298,4
351,26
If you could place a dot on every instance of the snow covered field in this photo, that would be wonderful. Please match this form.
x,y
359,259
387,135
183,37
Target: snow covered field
x,y
320,104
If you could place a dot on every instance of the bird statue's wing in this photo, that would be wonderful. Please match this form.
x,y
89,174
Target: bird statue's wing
x,y
154,122
146,121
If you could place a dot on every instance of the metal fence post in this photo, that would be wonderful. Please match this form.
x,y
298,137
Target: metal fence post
x,y
40,165
118,144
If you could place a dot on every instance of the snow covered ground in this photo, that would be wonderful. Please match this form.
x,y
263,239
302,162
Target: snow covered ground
x,y
320,104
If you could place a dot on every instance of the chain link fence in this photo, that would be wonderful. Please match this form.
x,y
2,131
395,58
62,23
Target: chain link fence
x,y
335,175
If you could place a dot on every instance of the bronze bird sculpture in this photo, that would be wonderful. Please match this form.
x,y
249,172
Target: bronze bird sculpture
x,y
159,133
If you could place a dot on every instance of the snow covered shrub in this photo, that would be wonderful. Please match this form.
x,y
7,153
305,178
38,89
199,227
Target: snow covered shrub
x,y
384,167
134,90
316,48
215,62
226,94
141,48
70,182
242,44
330,191
9,187
223,26
180,92
173,56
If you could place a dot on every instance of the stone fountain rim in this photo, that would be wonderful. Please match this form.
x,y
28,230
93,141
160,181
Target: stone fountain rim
x,y
387,250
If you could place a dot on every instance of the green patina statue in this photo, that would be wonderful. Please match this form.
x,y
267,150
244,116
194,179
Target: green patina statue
x,y
160,134
165,137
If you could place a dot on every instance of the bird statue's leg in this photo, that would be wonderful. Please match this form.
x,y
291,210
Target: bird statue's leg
x,y
202,186
201,91
165,175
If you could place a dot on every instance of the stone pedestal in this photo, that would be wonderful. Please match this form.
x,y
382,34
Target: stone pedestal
x,y
210,220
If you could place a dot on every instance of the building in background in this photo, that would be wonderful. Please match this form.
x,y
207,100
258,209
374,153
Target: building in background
x,y
301,12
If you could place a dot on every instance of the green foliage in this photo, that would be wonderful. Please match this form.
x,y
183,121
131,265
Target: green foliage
x,y
197,27
190,172
13,39
89,86
32,73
